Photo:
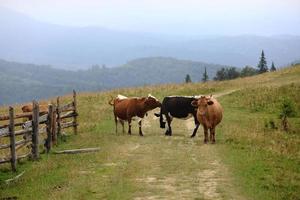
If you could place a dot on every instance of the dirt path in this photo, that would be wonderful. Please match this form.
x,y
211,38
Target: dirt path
x,y
183,168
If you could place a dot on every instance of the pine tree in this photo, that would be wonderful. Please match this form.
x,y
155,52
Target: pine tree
x,y
205,76
262,65
188,79
273,68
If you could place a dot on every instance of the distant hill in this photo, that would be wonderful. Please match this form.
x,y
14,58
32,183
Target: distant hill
x,y
24,82
81,47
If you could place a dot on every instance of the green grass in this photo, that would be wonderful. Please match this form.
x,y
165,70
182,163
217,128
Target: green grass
x,y
248,161
265,162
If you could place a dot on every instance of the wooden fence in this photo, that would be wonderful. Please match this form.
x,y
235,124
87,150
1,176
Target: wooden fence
x,y
43,127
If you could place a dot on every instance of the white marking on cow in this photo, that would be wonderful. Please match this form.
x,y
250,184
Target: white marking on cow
x,y
121,97
164,118
171,117
149,95
135,118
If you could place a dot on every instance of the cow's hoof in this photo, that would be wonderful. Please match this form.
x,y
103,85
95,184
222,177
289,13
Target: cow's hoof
x,y
205,141
192,136
141,134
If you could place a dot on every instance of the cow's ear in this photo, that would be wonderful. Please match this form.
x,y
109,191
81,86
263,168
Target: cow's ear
x,y
194,103
210,102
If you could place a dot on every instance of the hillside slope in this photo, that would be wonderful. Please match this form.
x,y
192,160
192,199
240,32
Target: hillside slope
x,y
248,161
24,82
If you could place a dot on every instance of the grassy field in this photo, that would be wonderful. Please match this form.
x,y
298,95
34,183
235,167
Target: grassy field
x,y
248,161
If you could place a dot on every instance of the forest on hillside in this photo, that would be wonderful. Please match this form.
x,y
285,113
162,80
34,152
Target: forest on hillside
x,y
24,82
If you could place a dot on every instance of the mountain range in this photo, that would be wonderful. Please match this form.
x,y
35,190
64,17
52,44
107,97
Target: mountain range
x,y
27,40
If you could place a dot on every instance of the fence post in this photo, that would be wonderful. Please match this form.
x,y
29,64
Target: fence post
x,y
35,131
53,125
75,111
11,129
58,118
49,128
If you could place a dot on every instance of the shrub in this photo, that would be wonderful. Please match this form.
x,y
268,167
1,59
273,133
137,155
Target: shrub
x,y
287,109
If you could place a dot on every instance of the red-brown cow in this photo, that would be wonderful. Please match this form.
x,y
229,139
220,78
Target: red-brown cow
x,y
209,114
126,108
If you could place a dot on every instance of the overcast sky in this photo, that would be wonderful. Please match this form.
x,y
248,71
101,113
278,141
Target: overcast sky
x,y
180,17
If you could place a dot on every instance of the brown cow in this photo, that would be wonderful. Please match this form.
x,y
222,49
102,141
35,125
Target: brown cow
x,y
209,114
43,108
126,108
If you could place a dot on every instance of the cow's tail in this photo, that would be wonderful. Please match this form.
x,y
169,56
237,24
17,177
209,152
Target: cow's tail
x,y
111,101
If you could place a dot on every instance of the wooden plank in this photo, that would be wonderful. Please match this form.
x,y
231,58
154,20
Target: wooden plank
x,y
4,132
19,132
68,115
42,120
7,125
21,115
23,132
75,111
8,181
23,145
27,124
4,146
4,160
17,116
4,126
73,151
21,142
24,156
35,131
68,125
67,107
12,139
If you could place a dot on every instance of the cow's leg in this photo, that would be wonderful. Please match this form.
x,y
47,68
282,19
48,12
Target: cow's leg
x,y
212,133
116,122
169,121
129,126
205,134
196,128
122,123
140,128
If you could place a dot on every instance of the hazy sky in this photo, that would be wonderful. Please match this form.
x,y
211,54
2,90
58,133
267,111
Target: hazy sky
x,y
188,17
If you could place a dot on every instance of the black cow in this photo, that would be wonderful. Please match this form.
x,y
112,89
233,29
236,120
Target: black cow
x,y
178,107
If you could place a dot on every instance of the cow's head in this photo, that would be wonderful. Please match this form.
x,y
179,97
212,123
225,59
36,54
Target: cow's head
x,y
202,104
151,102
